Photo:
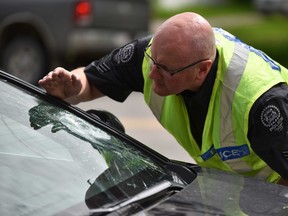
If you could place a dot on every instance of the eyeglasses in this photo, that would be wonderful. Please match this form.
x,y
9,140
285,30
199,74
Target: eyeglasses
x,y
163,68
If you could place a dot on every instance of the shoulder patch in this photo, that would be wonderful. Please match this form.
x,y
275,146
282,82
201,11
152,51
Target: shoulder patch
x,y
272,118
125,54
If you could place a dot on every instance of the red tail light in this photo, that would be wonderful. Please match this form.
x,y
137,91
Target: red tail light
x,y
83,9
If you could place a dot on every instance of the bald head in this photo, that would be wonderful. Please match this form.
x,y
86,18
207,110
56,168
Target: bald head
x,y
188,32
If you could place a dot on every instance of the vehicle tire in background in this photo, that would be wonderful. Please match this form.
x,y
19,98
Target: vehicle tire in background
x,y
24,57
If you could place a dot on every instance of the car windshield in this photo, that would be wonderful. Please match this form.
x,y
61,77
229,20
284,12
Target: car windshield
x,y
51,160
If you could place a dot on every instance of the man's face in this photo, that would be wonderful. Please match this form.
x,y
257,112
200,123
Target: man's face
x,y
169,71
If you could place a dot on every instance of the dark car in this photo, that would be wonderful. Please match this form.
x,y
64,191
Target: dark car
x,y
37,35
56,159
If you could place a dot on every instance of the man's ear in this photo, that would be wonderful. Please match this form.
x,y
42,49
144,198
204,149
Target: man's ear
x,y
203,69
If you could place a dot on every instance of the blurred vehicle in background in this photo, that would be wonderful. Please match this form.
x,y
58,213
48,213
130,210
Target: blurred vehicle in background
x,y
268,7
35,35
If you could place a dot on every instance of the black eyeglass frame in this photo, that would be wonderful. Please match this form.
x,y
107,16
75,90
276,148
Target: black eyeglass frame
x,y
163,67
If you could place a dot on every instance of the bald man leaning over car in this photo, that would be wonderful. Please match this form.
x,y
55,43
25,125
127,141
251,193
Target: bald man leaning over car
x,y
224,101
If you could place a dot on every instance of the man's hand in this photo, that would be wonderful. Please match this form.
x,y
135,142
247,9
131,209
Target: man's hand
x,y
61,83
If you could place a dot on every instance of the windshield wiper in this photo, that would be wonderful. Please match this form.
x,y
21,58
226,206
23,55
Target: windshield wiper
x,y
158,190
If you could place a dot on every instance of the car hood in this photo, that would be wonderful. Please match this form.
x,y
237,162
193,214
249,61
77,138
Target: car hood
x,y
219,193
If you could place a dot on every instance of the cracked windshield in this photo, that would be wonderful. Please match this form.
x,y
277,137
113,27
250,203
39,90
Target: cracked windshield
x,y
47,153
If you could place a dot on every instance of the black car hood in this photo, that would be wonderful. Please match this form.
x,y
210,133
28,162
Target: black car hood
x,y
219,193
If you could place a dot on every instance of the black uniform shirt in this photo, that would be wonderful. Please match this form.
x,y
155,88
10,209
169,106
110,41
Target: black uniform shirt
x,y
268,130
197,103
119,73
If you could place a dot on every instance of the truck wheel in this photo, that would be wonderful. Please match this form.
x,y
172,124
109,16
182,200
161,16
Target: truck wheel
x,y
24,57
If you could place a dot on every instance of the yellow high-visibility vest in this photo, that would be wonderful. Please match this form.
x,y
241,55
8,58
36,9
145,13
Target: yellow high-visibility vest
x,y
243,75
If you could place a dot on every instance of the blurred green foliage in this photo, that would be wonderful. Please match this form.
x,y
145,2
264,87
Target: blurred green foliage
x,y
267,33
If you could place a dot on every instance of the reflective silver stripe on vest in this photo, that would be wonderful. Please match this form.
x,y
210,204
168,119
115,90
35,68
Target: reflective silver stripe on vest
x,y
231,81
156,104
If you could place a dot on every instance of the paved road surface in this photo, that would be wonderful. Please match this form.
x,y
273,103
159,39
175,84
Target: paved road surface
x,y
141,124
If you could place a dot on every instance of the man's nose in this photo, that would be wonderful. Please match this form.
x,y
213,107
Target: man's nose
x,y
154,72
